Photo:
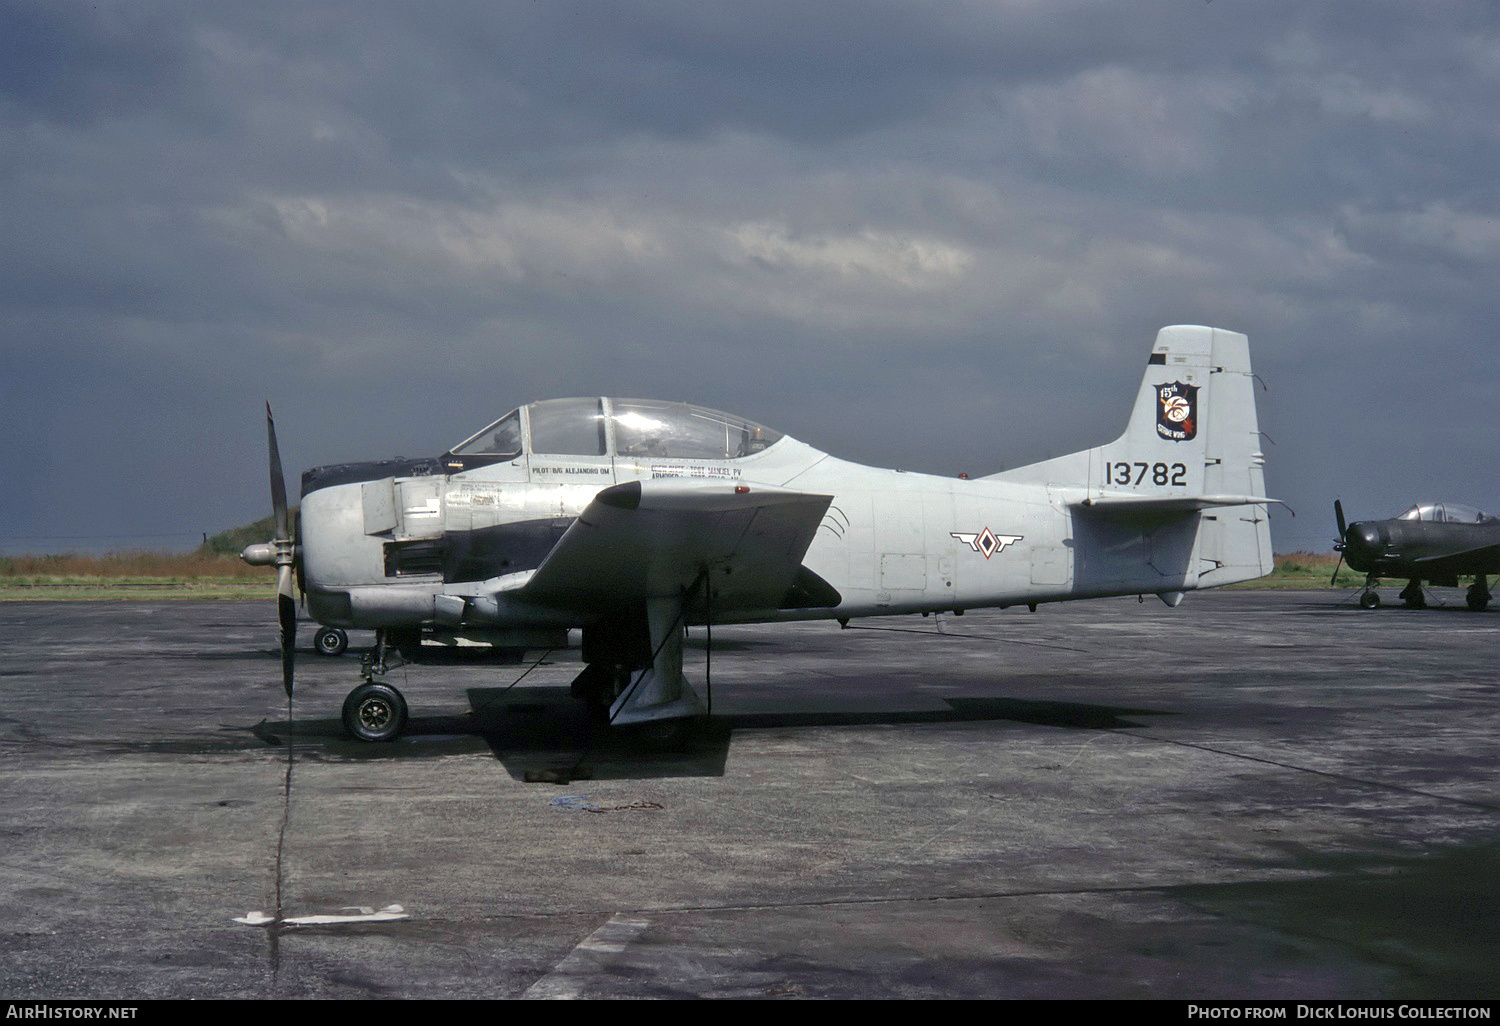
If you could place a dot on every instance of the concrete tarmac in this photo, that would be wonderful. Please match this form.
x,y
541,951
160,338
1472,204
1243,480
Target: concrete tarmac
x,y
1255,795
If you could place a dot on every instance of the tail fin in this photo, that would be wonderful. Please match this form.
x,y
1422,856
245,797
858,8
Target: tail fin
x,y
1191,449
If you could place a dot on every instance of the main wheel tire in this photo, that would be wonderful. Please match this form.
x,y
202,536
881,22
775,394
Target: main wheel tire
x,y
672,735
331,641
1369,600
374,712
1477,601
598,686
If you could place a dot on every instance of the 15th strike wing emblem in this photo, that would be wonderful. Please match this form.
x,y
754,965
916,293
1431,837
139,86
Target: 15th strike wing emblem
x,y
986,541
1177,412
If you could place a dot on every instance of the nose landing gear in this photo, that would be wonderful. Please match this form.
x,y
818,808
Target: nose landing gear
x,y
374,712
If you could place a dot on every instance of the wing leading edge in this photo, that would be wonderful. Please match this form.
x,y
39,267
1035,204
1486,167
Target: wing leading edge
x,y
651,539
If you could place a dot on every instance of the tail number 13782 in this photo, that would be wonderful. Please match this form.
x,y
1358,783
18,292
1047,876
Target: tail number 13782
x,y
1162,475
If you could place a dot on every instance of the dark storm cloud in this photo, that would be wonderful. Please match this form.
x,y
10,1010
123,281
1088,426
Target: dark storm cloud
x,y
70,65
889,228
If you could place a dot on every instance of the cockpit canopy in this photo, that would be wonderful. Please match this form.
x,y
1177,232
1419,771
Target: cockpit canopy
x,y
646,428
1445,513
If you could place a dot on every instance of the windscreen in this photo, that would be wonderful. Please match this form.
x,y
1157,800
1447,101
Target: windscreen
x,y
502,438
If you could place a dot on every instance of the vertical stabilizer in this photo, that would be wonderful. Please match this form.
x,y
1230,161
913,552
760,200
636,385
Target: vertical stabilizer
x,y
1162,452
1182,489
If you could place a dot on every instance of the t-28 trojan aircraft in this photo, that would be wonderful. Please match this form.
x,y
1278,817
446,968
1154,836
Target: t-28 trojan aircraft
x,y
1432,541
632,519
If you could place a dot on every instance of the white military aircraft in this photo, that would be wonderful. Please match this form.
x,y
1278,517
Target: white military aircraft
x,y
632,519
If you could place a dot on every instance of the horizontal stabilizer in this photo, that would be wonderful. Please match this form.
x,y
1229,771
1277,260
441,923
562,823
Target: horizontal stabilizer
x,y
1127,502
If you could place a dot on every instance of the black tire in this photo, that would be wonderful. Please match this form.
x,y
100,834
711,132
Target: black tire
x,y
598,686
1477,601
674,735
330,641
1369,600
374,712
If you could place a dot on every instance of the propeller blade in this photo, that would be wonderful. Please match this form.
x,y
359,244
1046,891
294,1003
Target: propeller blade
x,y
1338,512
286,615
278,480
285,547
1336,567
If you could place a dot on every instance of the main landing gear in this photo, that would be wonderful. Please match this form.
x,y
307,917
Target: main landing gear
x,y
1413,596
1478,595
632,678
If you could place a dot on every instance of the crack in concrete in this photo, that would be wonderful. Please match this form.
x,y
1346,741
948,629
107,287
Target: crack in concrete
x,y
273,930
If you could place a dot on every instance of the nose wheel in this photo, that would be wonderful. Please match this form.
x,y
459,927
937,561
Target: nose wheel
x,y
374,712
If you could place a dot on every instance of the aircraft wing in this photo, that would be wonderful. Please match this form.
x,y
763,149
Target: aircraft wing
x,y
646,539
1483,559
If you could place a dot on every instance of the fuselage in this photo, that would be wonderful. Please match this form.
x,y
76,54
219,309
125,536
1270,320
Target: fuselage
x,y
380,542
474,539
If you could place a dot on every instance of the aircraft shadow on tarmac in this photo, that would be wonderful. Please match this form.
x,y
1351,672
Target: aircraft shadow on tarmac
x,y
1437,604
542,734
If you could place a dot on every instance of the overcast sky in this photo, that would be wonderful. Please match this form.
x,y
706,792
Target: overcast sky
x,y
936,235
